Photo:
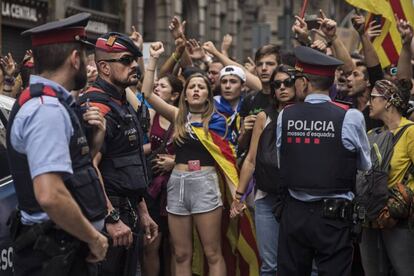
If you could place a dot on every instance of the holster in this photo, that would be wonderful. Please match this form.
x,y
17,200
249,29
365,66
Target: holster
x,y
66,256
25,236
13,223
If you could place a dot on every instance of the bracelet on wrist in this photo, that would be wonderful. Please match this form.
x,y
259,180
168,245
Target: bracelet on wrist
x,y
330,41
175,57
239,193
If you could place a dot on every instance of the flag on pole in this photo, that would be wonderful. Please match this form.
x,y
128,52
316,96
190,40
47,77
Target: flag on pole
x,y
388,44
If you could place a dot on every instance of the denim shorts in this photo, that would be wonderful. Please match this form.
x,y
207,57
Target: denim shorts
x,y
193,192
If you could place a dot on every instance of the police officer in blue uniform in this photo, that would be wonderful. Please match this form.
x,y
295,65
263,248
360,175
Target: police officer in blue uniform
x,y
60,199
121,159
321,145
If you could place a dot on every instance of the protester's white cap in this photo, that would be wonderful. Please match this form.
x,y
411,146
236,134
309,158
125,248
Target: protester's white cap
x,y
233,70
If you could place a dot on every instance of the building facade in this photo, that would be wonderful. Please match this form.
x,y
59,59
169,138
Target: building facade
x,y
251,22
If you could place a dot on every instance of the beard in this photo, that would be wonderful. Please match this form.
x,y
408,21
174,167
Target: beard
x,y
81,77
131,80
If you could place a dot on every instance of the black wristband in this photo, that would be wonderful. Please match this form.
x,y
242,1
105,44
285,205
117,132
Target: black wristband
x,y
240,194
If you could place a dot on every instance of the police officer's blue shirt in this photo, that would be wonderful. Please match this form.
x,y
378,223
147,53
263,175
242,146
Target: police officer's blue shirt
x,y
354,139
42,130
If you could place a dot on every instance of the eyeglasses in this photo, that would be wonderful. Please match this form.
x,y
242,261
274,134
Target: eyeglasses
x,y
289,82
124,60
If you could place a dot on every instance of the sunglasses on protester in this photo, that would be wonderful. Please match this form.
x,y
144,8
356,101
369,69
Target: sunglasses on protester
x,y
289,82
124,60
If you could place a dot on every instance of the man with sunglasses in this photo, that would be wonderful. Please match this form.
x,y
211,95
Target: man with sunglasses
x,y
321,144
121,159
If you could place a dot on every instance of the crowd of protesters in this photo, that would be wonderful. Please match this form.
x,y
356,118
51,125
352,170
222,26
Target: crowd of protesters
x,y
201,88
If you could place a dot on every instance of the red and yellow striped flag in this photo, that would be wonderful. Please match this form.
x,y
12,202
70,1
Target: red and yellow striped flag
x,y
388,44
238,235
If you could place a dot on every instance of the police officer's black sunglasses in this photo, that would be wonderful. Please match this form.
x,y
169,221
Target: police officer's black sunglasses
x,y
124,60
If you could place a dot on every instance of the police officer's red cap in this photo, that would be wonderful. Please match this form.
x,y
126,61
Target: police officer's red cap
x,y
313,62
71,29
114,42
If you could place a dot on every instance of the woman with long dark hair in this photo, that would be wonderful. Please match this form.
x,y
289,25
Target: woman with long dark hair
x,y
261,161
162,158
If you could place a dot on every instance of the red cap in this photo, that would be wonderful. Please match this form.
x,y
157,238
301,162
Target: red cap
x,y
71,29
74,34
110,45
319,70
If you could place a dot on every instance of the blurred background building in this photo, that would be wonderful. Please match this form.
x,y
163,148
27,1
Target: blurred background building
x,y
251,22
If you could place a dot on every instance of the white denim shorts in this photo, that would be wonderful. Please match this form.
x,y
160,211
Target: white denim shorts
x,y
193,192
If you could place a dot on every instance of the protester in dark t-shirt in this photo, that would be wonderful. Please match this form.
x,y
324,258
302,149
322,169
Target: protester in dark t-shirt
x,y
267,58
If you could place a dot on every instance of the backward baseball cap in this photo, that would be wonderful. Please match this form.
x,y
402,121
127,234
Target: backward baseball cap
x,y
233,70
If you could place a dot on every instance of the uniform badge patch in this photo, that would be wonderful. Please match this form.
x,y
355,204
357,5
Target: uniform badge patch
x,y
111,41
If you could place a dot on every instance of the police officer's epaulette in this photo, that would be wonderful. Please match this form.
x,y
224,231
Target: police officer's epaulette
x,y
344,104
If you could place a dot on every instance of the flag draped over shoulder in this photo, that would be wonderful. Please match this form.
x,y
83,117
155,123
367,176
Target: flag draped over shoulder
x,y
388,44
238,235
232,117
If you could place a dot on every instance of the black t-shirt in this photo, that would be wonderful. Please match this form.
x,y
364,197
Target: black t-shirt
x,y
254,103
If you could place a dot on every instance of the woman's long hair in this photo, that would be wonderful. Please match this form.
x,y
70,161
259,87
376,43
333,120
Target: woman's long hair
x,y
282,68
180,132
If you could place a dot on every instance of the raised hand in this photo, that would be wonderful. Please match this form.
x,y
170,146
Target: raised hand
x,y
179,45
177,28
209,47
195,50
373,30
406,31
327,26
226,43
156,49
137,38
250,65
28,56
358,22
300,28
319,45
8,65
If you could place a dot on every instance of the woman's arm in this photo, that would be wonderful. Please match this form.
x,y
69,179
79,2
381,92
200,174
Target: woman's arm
x,y
405,69
249,164
164,109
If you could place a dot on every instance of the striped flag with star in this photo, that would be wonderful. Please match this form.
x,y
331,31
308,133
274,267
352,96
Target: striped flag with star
x,y
388,44
238,235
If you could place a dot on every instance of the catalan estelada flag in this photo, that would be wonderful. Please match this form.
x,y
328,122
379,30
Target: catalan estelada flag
x,y
238,235
388,44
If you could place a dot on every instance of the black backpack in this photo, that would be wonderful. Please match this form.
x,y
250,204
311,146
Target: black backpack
x,y
372,191
266,171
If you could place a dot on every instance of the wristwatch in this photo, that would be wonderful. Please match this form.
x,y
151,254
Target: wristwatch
x,y
113,217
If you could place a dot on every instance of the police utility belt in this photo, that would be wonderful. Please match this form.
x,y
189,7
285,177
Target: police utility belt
x,y
62,250
44,236
338,208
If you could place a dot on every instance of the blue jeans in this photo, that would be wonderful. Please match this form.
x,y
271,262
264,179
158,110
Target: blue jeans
x,y
267,234
387,249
